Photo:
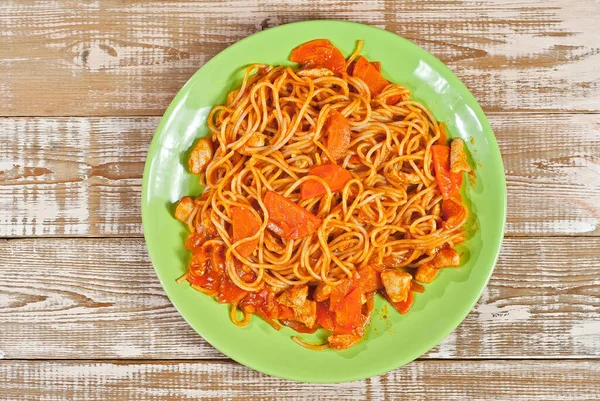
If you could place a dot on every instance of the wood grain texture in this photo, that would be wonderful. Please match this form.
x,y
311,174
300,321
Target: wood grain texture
x,y
100,299
82,176
420,380
109,58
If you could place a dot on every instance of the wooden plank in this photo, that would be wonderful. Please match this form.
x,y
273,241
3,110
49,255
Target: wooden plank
x,y
61,296
65,58
82,176
420,380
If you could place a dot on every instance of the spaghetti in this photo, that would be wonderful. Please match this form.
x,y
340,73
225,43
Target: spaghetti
x,y
323,186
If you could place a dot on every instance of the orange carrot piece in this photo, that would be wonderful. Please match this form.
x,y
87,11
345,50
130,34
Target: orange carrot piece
x,y
229,292
244,224
448,182
338,134
348,311
369,74
319,53
335,176
325,317
443,139
414,286
287,219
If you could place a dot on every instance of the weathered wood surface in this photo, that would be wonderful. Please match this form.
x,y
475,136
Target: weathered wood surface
x,y
420,380
59,297
82,176
109,58
86,318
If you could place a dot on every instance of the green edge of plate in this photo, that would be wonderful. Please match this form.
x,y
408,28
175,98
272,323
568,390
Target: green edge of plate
x,y
392,340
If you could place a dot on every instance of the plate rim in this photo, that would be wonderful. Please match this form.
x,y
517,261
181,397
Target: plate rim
x,y
480,116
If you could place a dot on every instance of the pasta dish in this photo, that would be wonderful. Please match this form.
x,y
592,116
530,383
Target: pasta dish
x,y
324,185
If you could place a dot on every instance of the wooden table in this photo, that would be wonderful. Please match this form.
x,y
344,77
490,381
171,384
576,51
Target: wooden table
x,y
82,88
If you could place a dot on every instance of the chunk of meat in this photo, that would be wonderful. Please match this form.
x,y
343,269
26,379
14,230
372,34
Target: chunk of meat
x,y
201,156
184,209
408,178
396,284
294,297
256,140
446,257
306,314
404,306
458,157
315,73
343,341
322,292
304,310
207,266
203,233
426,273
393,260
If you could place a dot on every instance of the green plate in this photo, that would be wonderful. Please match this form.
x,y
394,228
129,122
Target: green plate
x,y
392,339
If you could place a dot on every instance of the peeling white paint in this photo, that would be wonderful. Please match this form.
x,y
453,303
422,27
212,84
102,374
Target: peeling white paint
x,y
587,335
446,349
492,311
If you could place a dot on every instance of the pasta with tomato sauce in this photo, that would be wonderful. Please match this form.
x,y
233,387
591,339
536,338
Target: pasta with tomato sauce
x,y
324,186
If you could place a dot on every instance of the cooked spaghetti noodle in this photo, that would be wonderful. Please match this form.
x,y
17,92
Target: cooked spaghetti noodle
x,y
321,182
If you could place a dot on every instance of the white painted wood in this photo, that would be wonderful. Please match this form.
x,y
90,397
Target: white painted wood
x,y
420,380
64,58
92,298
100,299
82,176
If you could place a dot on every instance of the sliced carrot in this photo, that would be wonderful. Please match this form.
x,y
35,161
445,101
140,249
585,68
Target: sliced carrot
x,y
325,317
443,139
287,219
348,312
369,279
244,224
451,208
335,176
369,74
229,292
339,291
319,53
337,130
448,182
284,312
414,286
